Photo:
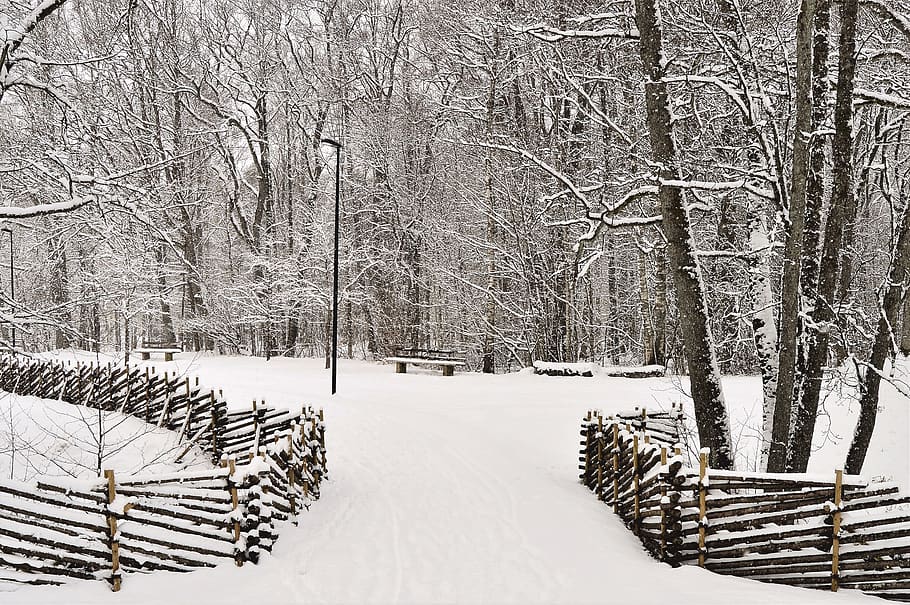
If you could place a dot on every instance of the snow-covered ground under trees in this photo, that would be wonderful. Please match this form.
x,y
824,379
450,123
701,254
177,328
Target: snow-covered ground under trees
x,y
465,489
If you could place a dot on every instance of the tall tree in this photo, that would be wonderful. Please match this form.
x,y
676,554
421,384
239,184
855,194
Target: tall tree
x,y
823,311
790,281
704,375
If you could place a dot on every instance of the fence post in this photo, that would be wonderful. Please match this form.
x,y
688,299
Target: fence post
x,y
663,496
292,483
584,456
188,414
317,472
112,529
835,542
304,467
110,388
322,448
235,503
615,467
600,457
635,511
213,413
671,511
702,505
255,428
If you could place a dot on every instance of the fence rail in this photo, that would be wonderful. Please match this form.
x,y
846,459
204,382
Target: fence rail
x,y
269,466
796,529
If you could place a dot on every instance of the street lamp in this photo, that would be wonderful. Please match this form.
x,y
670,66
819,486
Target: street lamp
x,y
12,282
337,147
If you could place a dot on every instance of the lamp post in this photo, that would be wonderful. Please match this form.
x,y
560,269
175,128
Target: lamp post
x,y
12,281
337,146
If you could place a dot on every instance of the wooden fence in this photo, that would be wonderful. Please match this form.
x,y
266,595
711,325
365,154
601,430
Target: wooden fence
x,y
269,465
796,529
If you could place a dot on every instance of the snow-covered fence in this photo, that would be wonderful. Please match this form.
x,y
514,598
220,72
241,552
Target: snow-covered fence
x,y
796,529
271,465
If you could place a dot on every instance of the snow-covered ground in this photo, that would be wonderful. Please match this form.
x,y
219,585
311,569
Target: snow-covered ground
x,y
458,489
52,438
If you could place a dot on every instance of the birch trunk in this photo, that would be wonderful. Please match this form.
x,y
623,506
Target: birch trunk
x,y
764,330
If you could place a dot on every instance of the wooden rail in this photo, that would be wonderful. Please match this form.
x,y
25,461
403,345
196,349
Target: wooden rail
x,y
271,465
801,530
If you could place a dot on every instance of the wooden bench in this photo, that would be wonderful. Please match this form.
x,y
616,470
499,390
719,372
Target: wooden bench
x,y
447,359
167,348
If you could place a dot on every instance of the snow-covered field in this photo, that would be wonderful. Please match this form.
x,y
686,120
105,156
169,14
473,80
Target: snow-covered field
x,y
464,489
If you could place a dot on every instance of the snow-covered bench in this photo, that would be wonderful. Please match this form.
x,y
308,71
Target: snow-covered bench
x,y
446,359
166,348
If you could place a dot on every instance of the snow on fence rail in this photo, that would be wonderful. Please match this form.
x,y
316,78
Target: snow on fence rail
x,y
797,529
271,465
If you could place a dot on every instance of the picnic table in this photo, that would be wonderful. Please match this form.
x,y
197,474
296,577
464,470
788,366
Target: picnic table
x,y
166,348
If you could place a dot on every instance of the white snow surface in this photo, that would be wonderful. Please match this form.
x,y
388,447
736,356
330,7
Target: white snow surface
x,y
458,489
40,437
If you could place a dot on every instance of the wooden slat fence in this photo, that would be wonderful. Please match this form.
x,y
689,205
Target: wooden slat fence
x,y
270,464
797,529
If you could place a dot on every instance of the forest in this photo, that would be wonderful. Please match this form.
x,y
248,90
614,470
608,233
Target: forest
x,y
717,186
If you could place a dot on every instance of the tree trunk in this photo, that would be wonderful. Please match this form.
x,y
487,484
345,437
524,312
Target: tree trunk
x,y
905,329
710,409
613,341
644,309
790,281
841,199
164,307
59,289
764,331
883,346
660,307
815,178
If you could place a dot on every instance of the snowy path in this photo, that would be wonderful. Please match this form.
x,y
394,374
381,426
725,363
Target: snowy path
x,y
444,490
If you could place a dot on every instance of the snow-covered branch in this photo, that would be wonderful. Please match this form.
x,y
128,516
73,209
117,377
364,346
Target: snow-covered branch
x,y
11,39
8,212
879,98
720,186
554,34
886,9
562,178
730,91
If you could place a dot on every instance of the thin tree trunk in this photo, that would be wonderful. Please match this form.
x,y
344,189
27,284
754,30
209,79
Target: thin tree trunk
x,y
613,315
882,348
660,307
164,307
59,289
764,331
644,307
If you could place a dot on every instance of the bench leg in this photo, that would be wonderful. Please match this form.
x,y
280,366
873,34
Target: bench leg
x,y
401,368
145,356
448,370
169,357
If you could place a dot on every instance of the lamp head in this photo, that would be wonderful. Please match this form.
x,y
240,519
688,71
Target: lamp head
x,y
331,142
